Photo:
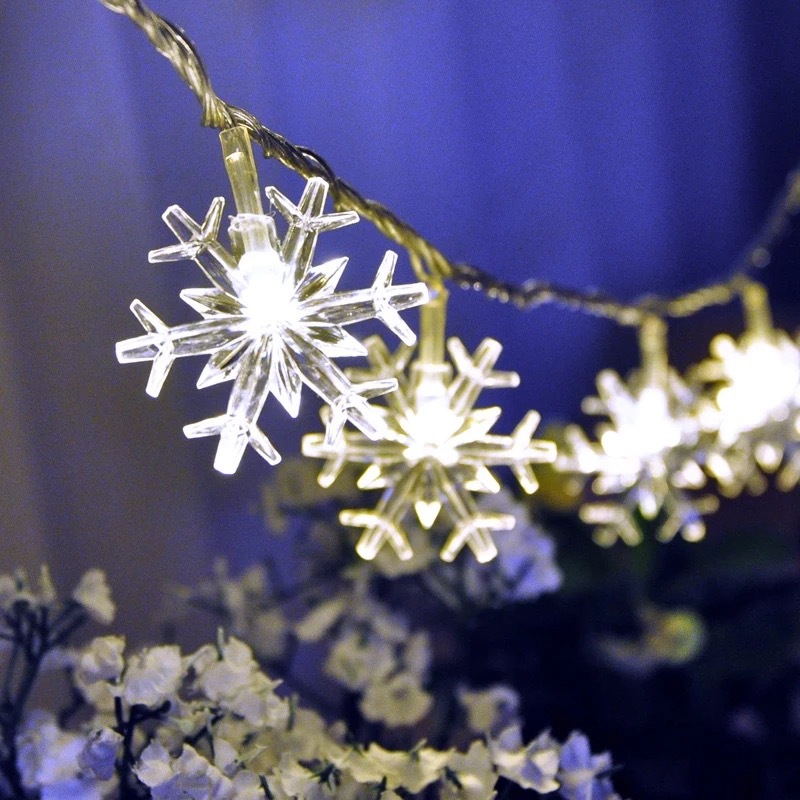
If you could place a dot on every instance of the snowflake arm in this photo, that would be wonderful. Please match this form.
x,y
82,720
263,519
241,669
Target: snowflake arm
x,y
237,427
381,302
383,524
199,243
475,373
306,221
162,345
472,526
518,451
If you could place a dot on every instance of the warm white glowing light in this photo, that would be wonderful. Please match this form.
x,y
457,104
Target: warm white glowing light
x,y
645,431
266,292
645,457
762,382
755,383
437,450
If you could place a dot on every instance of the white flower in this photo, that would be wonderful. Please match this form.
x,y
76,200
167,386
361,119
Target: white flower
x,y
153,676
180,724
154,767
93,594
188,776
226,757
579,768
490,710
16,589
356,662
525,567
417,654
268,633
307,740
101,660
237,597
230,670
393,627
473,776
396,702
247,786
48,760
237,684
99,753
412,771
320,620
531,767
254,581
297,781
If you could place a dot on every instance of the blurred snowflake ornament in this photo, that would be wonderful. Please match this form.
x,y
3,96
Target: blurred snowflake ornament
x,y
272,320
645,455
437,449
756,417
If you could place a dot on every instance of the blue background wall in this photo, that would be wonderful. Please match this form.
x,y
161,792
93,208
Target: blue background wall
x,y
630,146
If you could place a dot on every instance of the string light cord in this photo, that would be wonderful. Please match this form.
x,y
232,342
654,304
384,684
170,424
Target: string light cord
x,y
429,263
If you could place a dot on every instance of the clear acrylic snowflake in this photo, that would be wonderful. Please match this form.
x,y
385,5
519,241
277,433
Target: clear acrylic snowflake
x,y
272,320
437,450
756,415
644,459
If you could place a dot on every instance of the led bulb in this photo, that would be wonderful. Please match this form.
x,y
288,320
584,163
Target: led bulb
x,y
266,294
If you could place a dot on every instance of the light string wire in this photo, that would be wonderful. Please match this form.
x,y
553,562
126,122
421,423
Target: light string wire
x,y
428,262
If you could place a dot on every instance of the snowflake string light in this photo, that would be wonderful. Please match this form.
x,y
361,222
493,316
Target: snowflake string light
x,y
757,402
272,321
645,453
437,448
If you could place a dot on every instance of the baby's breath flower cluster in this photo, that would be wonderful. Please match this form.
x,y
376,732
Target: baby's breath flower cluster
x,y
35,627
161,723
373,654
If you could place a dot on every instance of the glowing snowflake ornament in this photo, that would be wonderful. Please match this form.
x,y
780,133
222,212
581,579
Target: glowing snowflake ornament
x,y
272,321
757,402
645,452
437,448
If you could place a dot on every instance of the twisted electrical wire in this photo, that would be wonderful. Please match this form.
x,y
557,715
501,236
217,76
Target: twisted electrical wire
x,y
429,263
